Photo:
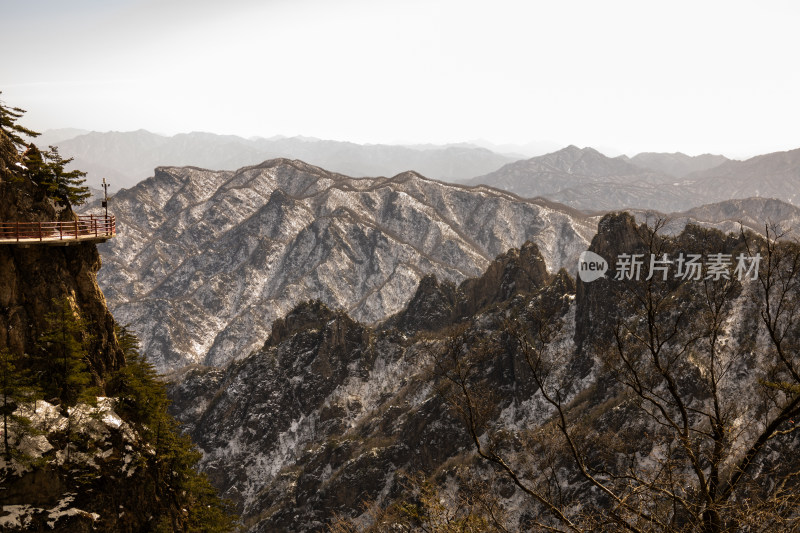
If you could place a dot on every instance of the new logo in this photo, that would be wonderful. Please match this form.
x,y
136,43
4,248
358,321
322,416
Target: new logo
x,y
591,266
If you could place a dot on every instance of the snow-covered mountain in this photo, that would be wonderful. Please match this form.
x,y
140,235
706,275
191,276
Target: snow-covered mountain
x,y
590,393
205,261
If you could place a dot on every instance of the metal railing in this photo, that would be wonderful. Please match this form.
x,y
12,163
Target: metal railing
x,y
86,227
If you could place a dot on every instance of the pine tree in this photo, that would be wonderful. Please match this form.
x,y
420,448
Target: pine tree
x,y
8,124
47,169
64,347
172,469
142,395
16,387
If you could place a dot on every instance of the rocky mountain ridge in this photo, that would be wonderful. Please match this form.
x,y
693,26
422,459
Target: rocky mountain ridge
x,y
346,381
205,261
332,421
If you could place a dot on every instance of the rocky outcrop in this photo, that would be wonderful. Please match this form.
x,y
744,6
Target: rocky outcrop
x,y
32,276
432,307
329,411
310,354
619,233
85,441
436,305
518,271
596,313
332,418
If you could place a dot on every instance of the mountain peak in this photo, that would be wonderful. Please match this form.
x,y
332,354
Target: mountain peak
x,y
577,151
565,174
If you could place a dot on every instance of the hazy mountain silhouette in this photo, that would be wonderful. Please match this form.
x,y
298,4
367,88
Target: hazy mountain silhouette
x,y
590,181
125,158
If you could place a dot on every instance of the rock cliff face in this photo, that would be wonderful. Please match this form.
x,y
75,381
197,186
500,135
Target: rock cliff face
x,y
77,420
206,261
35,497
437,305
329,409
333,418
32,276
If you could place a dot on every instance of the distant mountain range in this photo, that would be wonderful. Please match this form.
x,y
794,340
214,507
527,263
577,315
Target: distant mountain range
x,y
585,179
582,178
677,164
126,158
755,214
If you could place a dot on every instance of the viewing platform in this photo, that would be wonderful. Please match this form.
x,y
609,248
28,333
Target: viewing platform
x,y
87,228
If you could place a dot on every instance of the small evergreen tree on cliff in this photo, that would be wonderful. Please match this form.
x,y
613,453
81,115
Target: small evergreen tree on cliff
x,y
64,344
142,395
48,170
188,501
16,387
8,123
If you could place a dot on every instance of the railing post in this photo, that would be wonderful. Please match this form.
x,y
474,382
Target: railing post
x,y
17,231
40,231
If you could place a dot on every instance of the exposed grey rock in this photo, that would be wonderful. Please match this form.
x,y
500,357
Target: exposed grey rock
x,y
331,413
435,305
205,261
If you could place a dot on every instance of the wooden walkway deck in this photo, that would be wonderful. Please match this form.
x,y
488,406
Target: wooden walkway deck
x,y
88,228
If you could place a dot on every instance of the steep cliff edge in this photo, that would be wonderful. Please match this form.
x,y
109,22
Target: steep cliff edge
x,y
32,276
85,441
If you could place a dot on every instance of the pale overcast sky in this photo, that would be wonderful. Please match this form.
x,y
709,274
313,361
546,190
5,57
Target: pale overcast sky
x,y
699,76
